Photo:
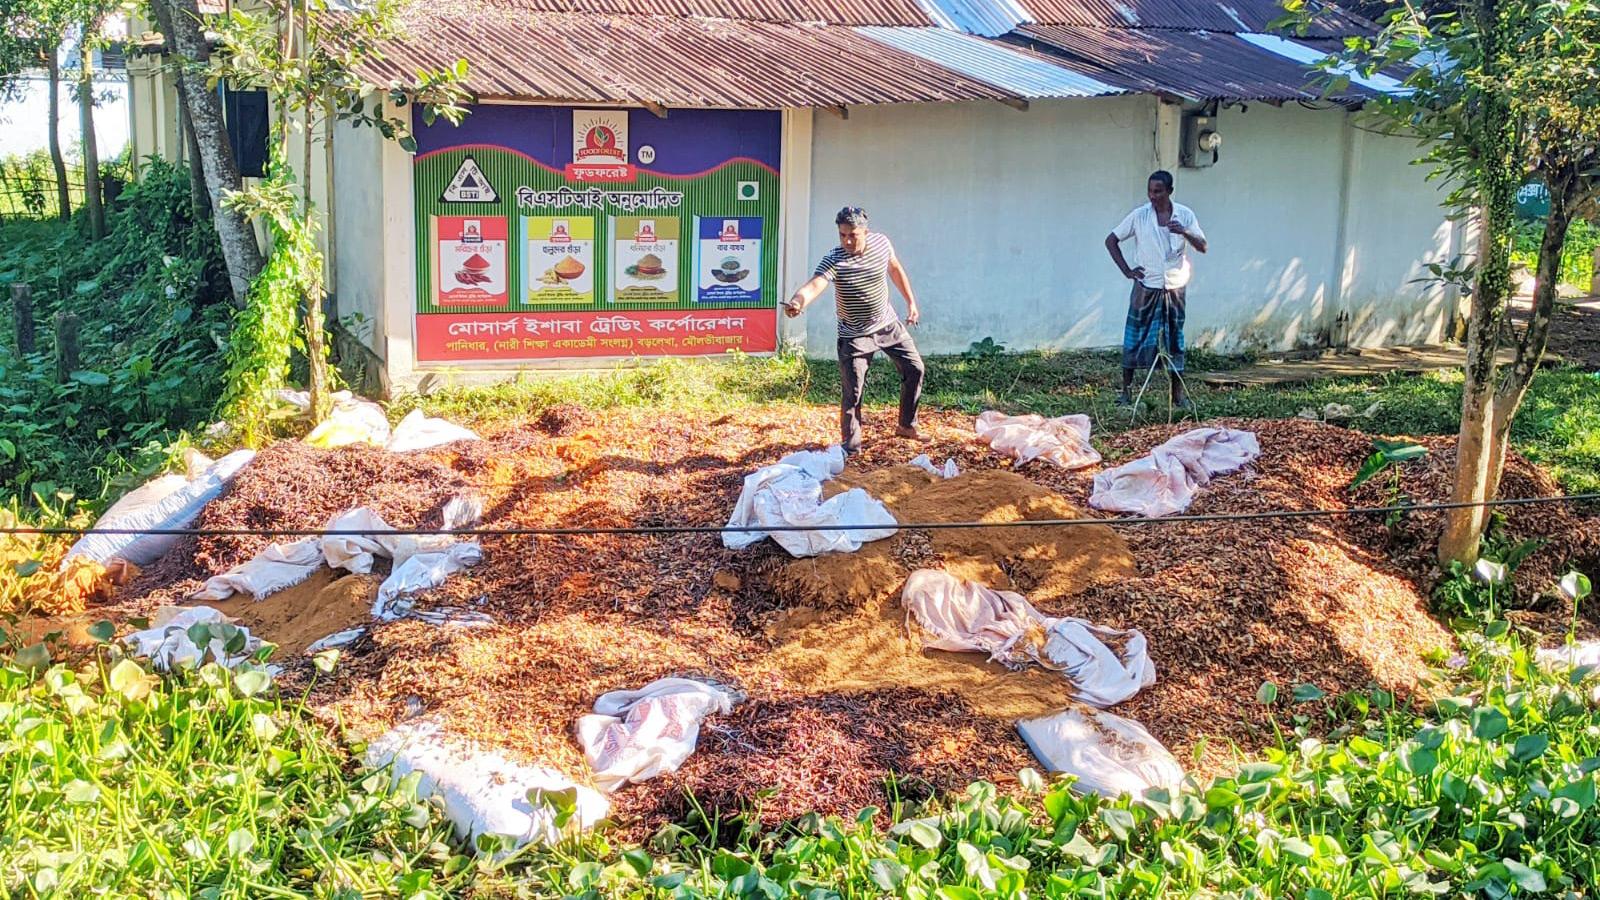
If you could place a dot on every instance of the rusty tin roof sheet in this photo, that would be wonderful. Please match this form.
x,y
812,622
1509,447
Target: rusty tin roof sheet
x,y
1191,15
672,61
1198,65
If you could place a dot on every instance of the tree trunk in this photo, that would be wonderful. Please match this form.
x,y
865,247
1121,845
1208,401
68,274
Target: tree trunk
x,y
199,197
22,316
240,251
93,203
63,192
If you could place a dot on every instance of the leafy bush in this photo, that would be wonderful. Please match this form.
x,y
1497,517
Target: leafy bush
x,y
151,302
1577,257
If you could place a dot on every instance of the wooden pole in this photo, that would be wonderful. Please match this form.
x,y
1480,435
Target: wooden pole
x,y
22,309
66,346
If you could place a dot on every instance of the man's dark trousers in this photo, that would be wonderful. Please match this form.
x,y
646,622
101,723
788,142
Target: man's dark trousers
x,y
854,355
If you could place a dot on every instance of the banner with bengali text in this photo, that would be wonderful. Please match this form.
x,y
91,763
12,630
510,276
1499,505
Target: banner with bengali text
x,y
533,336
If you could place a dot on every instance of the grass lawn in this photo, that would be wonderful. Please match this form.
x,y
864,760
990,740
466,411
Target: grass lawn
x,y
1558,426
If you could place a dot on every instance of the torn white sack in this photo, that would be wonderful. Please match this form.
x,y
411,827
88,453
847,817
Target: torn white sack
x,y
1165,481
789,493
636,735
169,502
352,421
483,792
1108,754
421,562
421,572
277,568
965,616
167,644
1062,441
420,432
925,463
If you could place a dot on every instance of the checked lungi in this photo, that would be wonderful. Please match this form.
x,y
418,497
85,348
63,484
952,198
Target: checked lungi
x,y
1155,319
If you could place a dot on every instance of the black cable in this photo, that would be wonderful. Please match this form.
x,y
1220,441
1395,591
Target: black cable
x,y
724,529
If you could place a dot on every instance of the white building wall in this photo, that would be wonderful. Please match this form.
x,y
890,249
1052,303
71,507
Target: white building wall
x,y
374,263
1000,217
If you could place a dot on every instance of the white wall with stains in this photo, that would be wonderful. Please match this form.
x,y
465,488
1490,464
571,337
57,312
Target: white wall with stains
x,y
1000,218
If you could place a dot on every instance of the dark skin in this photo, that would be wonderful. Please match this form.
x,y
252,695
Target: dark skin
x,y
1160,197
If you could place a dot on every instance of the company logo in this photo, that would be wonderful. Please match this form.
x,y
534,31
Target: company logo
x,y
560,233
471,232
600,143
600,146
730,231
646,233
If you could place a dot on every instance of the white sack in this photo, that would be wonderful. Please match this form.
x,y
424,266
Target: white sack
x,y
636,735
167,645
925,463
1110,755
421,572
789,492
1571,656
1062,441
483,792
337,639
352,421
164,503
1165,482
965,616
276,568
419,432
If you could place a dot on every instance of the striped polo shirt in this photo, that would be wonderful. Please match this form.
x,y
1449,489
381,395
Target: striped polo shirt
x,y
861,286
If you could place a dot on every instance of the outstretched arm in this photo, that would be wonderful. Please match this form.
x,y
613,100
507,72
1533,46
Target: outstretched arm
x,y
902,281
802,298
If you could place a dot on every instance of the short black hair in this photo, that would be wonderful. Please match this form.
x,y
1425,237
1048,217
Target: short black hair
x,y
851,215
1163,176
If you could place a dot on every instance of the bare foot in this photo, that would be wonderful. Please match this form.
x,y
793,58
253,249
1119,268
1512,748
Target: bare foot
x,y
910,434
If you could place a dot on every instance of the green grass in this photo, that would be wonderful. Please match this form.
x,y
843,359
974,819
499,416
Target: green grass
x,y
210,784
1558,426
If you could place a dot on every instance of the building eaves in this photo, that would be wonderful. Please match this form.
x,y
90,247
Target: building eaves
x,y
1017,71
1194,65
672,61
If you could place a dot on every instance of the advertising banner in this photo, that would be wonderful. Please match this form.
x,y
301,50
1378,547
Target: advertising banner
x,y
559,265
727,260
627,229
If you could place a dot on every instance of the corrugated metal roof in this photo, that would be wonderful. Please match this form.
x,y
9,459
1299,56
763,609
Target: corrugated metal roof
x,y
684,62
831,12
1024,74
990,18
1198,65
1229,16
1309,56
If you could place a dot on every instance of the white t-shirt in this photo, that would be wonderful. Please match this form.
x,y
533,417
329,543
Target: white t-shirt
x,y
1163,255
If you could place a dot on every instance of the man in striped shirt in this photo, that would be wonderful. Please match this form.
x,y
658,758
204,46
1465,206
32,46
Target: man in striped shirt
x,y
859,270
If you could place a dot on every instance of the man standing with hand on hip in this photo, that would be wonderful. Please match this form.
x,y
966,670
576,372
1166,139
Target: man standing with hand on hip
x,y
859,270
1161,232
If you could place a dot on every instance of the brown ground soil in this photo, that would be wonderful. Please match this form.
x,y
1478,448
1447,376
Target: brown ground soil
x,y
841,701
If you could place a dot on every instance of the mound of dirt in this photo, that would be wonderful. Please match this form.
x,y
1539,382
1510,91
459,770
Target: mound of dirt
x,y
1046,561
329,601
841,702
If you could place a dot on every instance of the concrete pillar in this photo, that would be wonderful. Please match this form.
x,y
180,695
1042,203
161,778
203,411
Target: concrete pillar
x,y
398,274
794,217
1168,135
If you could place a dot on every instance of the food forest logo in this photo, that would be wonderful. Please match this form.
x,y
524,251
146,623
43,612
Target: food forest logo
x,y
560,233
600,146
646,234
730,231
471,232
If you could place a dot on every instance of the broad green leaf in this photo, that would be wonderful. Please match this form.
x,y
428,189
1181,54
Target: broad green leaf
x,y
958,892
129,680
80,792
1056,803
1298,849
102,630
639,861
1308,693
1260,771
1031,781
1119,821
1421,762
32,657
1488,723
251,682
925,835
1530,747
1527,878
91,378
240,842
887,874
1267,694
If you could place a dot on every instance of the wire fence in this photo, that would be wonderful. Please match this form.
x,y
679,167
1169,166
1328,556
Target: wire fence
x,y
29,189
657,530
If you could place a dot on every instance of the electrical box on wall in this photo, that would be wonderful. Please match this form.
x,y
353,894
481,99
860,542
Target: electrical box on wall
x,y
1201,141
